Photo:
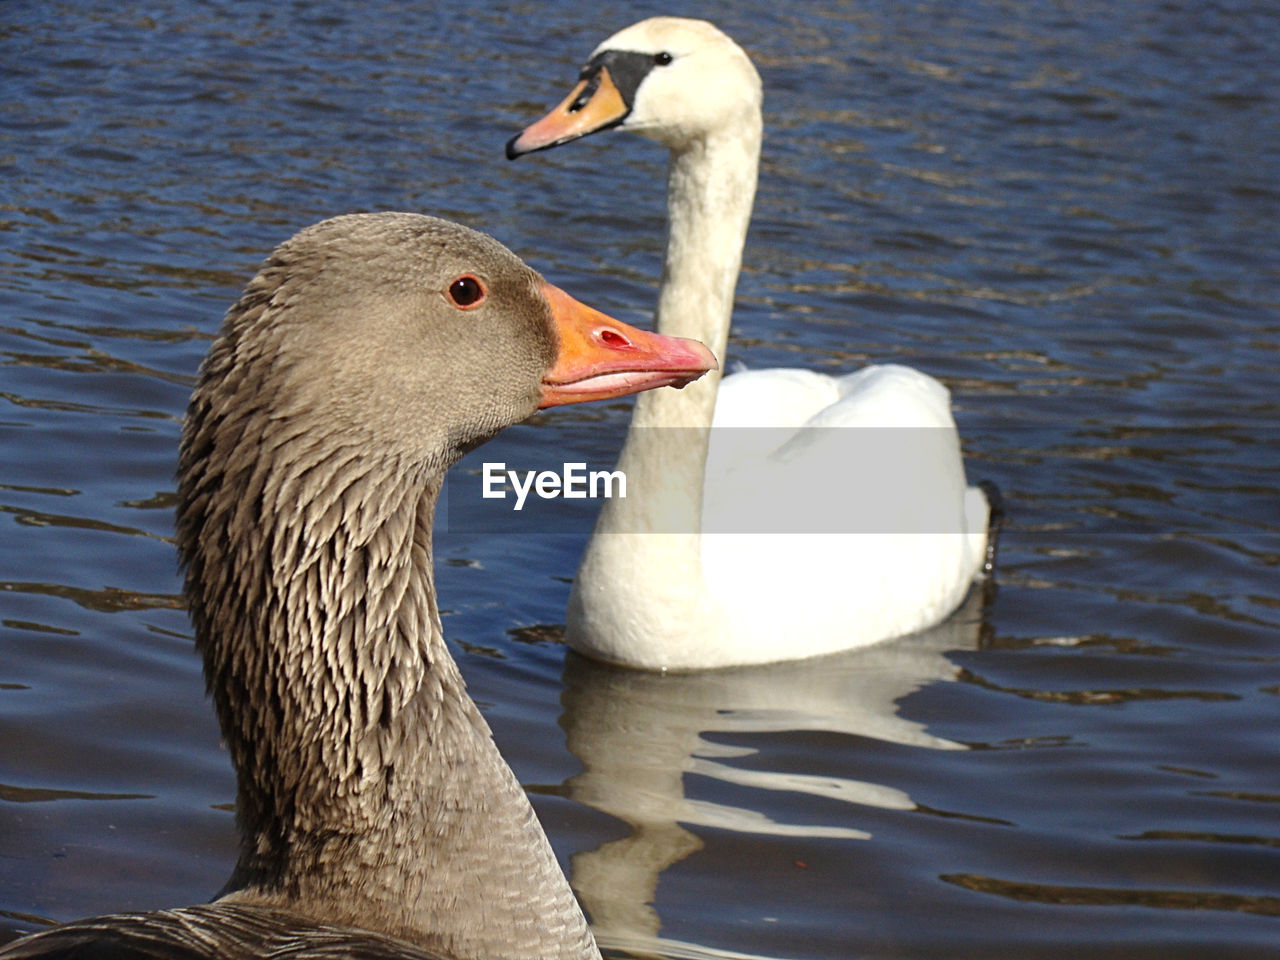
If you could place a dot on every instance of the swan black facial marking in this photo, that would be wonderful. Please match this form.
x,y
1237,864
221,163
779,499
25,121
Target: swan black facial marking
x,y
589,91
627,68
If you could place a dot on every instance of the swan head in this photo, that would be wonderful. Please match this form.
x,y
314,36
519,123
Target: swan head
x,y
674,80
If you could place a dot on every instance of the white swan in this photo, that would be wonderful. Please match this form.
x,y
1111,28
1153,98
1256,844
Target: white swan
x,y
862,473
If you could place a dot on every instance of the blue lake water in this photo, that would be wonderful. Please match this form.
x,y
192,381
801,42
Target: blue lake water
x,y
1064,210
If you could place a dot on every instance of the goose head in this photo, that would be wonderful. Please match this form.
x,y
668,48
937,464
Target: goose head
x,y
674,80
415,337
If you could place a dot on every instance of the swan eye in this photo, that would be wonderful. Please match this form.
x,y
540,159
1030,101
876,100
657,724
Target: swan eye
x,y
663,58
466,292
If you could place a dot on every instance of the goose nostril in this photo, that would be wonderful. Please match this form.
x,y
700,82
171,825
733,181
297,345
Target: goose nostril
x,y
611,338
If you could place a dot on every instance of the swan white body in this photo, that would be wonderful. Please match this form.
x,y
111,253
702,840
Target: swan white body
x,y
841,517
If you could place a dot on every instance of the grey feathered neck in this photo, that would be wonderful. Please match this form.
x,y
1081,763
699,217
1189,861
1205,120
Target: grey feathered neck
x,y
369,789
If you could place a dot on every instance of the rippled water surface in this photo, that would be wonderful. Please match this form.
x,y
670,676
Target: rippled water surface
x,y
1066,211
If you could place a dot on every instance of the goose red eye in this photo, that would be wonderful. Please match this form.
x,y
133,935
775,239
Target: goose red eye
x,y
466,292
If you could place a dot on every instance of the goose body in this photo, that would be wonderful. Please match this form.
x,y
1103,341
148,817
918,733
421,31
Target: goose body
x,y
377,817
841,517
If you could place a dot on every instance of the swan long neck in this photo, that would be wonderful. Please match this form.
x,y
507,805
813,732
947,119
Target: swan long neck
x,y
370,792
710,190
711,186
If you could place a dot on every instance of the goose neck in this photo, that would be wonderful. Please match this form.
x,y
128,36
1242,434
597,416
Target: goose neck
x,y
323,649
370,792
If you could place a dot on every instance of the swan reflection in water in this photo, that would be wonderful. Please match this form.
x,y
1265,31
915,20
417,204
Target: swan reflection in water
x,y
638,734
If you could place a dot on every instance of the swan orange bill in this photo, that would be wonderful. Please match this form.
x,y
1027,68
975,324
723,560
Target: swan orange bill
x,y
593,104
600,357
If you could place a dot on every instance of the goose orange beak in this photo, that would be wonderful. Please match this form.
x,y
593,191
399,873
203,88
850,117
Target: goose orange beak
x,y
600,357
594,104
